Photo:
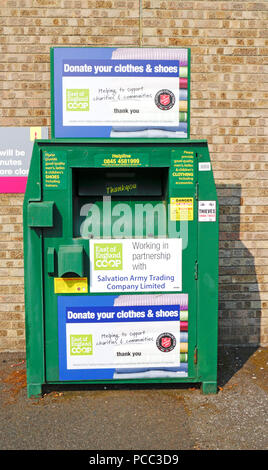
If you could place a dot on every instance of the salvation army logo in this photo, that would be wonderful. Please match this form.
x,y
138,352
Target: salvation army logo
x,y
166,342
164,99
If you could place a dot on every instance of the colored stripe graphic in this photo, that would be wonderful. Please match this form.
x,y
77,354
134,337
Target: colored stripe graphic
x,y
183,82
183,357
183,105
184,337
184,348
153,299
182,127
153,373
155,53
183,94
184,315
184,72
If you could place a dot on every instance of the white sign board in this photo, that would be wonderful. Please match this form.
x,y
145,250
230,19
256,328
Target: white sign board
x,y
98,101
136,265
126,344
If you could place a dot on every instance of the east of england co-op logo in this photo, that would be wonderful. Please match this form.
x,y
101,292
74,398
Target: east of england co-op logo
x,y
164,99
108,256
77,99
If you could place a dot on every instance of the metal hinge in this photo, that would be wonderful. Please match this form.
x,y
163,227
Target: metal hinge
x,y
196,270
195,355
196,191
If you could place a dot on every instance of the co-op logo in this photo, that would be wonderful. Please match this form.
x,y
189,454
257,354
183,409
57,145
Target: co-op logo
x,y
77,99
81,345
108,256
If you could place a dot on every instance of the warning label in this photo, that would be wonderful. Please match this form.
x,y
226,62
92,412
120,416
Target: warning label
x,y
181,208
207,211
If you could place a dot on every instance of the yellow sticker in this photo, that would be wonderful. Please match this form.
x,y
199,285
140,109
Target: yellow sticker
x,y
181,208
70,285
35,133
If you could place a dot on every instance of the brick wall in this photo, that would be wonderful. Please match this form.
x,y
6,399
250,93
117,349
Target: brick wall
x,y
229,45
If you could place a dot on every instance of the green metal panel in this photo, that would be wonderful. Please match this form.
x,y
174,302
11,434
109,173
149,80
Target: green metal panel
x,y
40,214
51,260
33,278
52,101
208,253
71,260
58,248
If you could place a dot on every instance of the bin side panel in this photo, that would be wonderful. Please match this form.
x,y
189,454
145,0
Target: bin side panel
x,y
32,241
208,257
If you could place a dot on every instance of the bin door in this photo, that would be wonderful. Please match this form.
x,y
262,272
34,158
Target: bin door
x,y
68,271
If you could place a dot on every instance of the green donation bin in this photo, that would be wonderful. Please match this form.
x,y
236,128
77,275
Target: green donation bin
x,y
121,263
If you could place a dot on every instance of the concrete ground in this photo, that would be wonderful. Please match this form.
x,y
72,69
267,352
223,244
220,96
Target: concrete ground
x,y
160,417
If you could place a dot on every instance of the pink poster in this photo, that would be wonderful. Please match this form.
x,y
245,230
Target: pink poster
x,y
16,146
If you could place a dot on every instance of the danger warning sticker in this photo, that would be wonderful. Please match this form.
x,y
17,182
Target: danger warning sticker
x,y
181,208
